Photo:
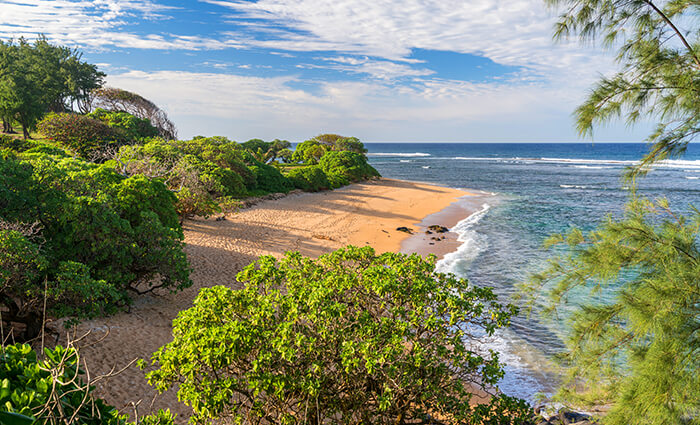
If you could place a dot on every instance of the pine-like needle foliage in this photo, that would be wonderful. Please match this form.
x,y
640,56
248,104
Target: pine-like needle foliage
x,y
658,45
638,347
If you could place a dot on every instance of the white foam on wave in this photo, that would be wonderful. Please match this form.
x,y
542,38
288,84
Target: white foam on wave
x,y
405,160
591,167
572,186
473,243
692,177
426,166
688,165
400,154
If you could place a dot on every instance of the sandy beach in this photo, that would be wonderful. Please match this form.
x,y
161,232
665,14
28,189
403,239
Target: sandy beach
x,y
312,223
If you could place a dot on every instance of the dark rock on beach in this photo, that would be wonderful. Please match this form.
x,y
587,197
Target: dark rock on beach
x,y
438,229
405,230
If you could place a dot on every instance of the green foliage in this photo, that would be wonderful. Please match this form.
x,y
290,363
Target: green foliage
x,y
266,151
270,179
84,135
659,53
50,391
199,171
350,165
310,178
130,127
118,100
101,236
309,152
161,417
38,77
349,338
637,345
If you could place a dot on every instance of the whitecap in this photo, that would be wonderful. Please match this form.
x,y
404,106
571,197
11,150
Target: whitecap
x,y
473,243
399,154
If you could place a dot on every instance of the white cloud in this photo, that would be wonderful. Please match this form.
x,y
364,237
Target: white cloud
x,y
244,107
95,24
385,70
513,32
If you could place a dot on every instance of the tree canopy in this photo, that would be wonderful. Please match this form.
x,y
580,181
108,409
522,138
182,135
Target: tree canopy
x,y
119,100
636,342
349,338
40,77
658,45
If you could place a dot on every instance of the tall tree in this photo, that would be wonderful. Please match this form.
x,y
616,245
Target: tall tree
x,y
40,77
635,342
658,49
20,89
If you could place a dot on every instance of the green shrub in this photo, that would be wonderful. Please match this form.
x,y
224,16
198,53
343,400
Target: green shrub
x,y
309,152
51,391
103,235
311,178
79,133
12,143
130,127
351,165
191,203
55,390
349,338
337,180
270,179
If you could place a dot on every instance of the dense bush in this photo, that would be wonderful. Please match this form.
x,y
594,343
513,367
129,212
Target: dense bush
x,y
79,133
115,99
130,127
350,165
30,146
199,171
310,178
309,152
30,388
270,179
54,390
102,236
349,338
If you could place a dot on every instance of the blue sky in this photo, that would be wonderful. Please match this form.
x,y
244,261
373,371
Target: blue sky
x,y
411,70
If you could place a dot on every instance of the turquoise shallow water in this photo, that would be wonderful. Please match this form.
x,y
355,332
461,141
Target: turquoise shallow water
x,y
533,190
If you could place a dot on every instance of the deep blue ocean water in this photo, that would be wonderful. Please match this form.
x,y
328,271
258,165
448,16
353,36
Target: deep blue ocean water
x,y
532,191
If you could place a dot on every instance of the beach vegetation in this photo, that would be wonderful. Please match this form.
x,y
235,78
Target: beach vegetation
x,y
81,134
131,128
658,50
78,239
56,389
351,166
39,77
310,179
351,337
635,343
119,100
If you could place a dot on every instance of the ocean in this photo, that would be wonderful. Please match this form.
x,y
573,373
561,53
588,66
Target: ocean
x,y
532,190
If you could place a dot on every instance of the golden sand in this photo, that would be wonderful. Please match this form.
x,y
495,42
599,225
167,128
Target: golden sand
x,y
312,223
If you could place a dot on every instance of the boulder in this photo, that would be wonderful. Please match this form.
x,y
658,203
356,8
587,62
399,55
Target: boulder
x,y
438,229
404,229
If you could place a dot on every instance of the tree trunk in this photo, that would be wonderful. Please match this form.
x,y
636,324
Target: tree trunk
x,y
7,126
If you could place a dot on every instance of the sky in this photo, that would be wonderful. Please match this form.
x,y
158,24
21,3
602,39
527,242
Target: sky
x,y
380,70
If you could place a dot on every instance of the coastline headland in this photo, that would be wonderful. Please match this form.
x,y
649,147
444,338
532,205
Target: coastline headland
x,y
360,214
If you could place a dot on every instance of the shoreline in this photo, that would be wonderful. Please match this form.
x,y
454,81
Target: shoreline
x,y
361,214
